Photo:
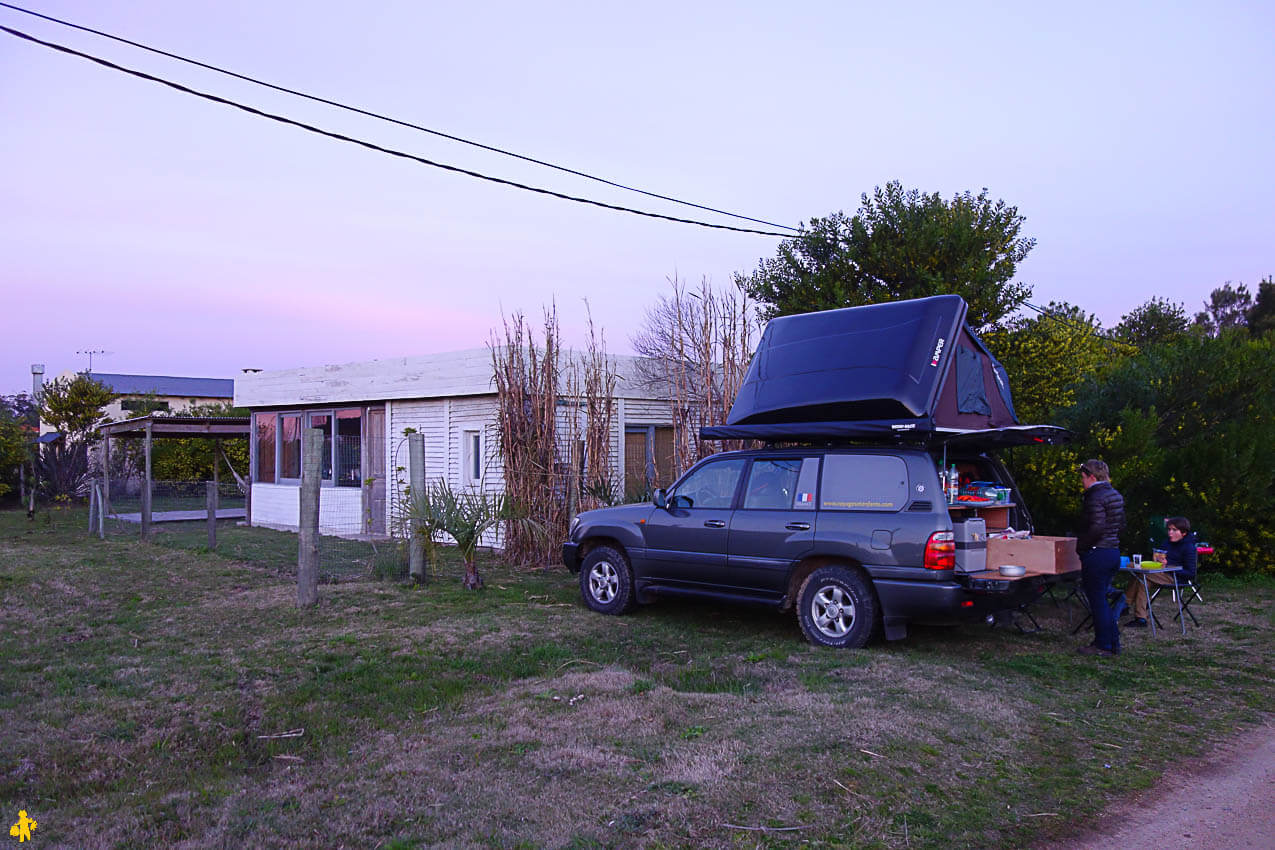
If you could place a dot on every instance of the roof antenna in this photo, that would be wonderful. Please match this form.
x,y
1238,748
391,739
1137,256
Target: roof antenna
x,y
90,352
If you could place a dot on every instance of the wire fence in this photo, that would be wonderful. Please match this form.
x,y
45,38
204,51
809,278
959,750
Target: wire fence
x,y
179,520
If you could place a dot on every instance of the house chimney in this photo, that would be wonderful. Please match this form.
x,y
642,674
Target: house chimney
x,y
37,380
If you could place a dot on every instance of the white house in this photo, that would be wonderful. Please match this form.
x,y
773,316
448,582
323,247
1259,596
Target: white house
x,y
365,411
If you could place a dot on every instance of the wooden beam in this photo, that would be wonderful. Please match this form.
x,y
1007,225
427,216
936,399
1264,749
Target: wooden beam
x,y
146,488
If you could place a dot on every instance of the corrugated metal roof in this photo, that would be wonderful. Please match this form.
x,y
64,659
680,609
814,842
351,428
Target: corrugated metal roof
x,y
168,385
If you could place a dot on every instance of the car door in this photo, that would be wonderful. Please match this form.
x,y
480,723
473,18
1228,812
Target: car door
x,y
686,543
774,525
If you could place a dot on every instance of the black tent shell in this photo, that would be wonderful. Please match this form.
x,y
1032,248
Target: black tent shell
x,y
900,370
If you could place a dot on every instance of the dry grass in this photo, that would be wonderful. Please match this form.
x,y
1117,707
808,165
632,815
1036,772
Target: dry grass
x,y
138,680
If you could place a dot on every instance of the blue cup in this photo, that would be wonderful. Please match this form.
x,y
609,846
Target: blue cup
x,y
1124,562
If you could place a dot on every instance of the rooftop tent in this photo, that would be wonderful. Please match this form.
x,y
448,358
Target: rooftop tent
x,y
900,368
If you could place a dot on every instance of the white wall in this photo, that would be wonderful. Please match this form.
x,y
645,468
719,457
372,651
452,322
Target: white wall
x,y
279,506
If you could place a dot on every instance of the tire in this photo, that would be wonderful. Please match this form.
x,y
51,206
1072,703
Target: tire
x,y
606,581
836,607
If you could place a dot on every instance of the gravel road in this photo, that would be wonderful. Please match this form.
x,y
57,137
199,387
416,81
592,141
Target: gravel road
x,y
1226,802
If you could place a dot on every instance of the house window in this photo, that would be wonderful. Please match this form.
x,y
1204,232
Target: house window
x,y
278,446
472,456
290,445
265,441
323,421
348,449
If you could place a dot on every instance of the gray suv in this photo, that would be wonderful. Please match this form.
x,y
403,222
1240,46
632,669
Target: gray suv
x,y
858,539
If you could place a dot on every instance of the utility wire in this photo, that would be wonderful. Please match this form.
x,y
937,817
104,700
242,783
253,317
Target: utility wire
x,y
387,118
1086,329
379,148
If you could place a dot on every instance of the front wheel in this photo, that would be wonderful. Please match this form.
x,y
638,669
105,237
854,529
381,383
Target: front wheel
x,y
836,607
606,581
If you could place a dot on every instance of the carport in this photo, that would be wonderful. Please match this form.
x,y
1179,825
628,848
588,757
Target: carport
x,y
151,427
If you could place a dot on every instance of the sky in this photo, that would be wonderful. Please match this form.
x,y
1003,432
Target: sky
x,y
187,238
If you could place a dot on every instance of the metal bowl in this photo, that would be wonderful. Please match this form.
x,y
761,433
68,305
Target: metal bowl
x,y
1013,570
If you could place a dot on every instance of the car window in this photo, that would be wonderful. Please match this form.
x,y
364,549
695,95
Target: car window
x,y
863,483
772,483
710,486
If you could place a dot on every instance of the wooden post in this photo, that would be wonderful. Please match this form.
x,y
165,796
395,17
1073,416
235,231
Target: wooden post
x,y
101,513
211,487
106,477
416,477
146,486
93,507
308,554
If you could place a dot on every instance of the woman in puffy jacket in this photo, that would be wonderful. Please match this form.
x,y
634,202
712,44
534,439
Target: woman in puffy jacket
x,y
1099,548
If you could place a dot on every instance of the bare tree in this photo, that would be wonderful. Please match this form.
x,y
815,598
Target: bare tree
x,y
697,344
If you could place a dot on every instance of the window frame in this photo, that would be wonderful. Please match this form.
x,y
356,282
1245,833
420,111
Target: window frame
x,y
306,414
471,456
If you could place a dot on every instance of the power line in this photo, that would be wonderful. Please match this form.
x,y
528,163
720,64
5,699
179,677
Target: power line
x,y
1087,329
379,148
387,118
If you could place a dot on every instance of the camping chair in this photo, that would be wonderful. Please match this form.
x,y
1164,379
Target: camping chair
x,y
1188,588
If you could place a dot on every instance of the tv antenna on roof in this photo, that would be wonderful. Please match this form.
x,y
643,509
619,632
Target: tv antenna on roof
x,y
90,353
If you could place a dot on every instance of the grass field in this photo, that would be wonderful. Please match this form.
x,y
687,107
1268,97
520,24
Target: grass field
x,y
152,695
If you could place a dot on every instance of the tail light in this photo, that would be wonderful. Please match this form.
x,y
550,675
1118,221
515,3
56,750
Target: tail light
x,y
940,551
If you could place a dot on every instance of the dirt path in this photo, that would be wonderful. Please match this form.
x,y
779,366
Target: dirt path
x,y
1230,804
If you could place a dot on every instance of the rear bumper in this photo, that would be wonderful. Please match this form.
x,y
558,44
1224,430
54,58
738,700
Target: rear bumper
x,y
571,556
955,600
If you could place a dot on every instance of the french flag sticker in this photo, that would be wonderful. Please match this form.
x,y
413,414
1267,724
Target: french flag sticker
x,y
805,498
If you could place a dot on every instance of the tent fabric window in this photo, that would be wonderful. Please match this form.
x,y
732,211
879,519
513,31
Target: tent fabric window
x,y
971,393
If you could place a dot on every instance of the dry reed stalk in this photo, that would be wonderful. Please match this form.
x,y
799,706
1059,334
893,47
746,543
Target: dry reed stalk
x,y
526,377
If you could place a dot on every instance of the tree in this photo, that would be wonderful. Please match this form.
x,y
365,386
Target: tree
x,y
1228,307
1261,317
1158,320
900,244
17,430
74,407
1186,427
697,344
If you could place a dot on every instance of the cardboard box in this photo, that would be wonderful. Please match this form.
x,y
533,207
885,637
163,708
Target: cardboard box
x,y
1040,554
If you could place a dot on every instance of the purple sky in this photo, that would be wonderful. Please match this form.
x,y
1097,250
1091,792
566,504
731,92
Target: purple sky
x,y
188,238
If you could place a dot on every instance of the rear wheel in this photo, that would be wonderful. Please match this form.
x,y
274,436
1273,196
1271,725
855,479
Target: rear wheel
x,y
836,607
606,581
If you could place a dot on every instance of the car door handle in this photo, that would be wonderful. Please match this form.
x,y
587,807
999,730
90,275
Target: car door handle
x,y
798,526
714,523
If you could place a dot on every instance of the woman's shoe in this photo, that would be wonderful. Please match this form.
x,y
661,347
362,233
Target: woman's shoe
x,y
1136,623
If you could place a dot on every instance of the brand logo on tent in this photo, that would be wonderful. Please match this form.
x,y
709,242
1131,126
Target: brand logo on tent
x,y
938,349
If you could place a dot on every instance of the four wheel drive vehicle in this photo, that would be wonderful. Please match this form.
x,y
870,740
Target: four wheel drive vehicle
x,y
858,536
857,539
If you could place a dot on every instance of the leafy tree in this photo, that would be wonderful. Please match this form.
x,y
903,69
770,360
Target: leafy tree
x,y
17,429
1228,307
1261,317
900,244
1186,427
74,407
1158,320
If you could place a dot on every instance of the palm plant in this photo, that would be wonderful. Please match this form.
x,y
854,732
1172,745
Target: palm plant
x,y
465,517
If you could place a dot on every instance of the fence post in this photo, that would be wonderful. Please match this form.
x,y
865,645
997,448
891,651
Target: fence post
x,y
101,511
211,490
308,555
106,476
146,487
93,506
416,476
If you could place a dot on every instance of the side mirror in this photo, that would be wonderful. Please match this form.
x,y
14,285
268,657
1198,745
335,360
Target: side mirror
x,y
660,500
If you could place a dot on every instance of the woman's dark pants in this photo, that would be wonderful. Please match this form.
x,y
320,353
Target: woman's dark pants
x,y
1097,568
